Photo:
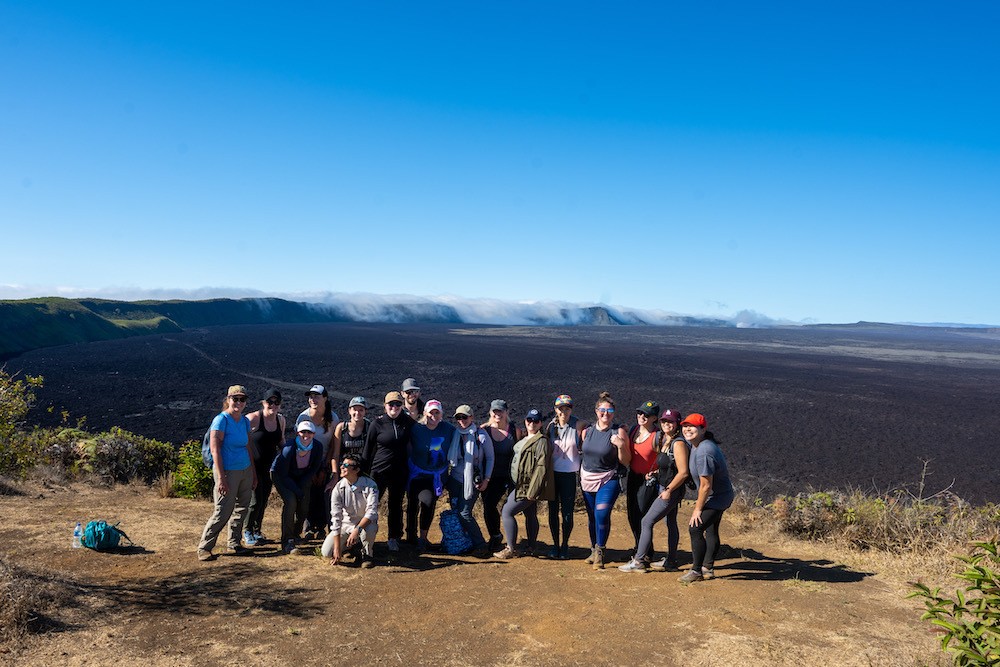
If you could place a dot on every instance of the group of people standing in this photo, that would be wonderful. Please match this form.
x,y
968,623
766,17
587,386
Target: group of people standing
x,y
332,474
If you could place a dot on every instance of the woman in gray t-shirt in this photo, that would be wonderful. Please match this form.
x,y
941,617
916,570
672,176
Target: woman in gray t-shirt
x,y
710,473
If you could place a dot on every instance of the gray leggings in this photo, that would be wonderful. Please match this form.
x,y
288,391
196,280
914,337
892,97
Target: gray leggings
x,y
660,509
511,509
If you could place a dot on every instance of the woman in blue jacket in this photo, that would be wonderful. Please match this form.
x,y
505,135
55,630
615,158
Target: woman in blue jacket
x,y
292,473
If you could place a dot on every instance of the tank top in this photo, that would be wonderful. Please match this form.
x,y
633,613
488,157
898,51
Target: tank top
x,y
643,453
599,455
503,452
350,444
666,464
266,443
566,446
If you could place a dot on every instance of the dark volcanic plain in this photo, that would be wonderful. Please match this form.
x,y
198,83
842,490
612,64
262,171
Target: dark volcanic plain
x,y
795,409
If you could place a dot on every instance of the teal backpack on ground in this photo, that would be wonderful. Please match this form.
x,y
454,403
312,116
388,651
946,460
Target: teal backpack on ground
x,y
99,536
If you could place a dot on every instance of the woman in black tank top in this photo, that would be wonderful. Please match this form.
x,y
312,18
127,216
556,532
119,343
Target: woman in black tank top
x,y
267,434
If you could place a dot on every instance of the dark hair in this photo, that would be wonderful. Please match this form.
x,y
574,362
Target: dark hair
x,y
354,457
605,397
327,411
711,436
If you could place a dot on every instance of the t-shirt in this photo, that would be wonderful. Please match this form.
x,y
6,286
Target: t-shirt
x,y
235,436
429,448
707,460
323,435
565,446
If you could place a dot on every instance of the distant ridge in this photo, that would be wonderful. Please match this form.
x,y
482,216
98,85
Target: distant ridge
x,y
29,324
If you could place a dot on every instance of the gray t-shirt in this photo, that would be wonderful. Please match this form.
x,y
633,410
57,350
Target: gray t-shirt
x,y
707,460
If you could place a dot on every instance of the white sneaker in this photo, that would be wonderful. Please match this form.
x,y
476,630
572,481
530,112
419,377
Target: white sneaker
x,y
634,566
393,544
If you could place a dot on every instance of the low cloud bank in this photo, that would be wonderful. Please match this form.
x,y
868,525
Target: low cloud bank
x,y
364,307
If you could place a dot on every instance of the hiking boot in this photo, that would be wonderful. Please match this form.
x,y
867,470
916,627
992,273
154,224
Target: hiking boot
x,y
589,560
238,550
393,544
249,538
690,577
634,566
707,573
205,555
598,558
506,553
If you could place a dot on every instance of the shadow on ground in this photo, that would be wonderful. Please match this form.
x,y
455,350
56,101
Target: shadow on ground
x,y
756,566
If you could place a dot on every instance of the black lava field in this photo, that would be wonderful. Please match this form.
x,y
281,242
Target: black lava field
x,y
795,408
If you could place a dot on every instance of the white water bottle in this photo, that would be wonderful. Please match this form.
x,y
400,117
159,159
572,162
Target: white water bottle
x,y
78,536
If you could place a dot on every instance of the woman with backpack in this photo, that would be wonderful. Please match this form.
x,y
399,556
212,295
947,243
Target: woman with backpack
x,y
710,472
267,434
605,449
349,437
470,457
531,470
235,478
641,488
671,476
293,471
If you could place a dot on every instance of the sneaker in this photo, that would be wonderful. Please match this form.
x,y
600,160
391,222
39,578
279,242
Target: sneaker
x,y
690,577
564,552
598,558
238,550
249,538
393,544
589,560
707,573
634,566
554,553
259,539
506,553
496,542
289,547
205,554
367,562
423,545
664,565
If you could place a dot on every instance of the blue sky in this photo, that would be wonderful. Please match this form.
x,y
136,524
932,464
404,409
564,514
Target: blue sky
x,y
831,163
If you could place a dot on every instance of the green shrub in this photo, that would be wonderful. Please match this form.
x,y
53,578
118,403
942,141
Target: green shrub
x,y
969,621
120,456
16,398
192,479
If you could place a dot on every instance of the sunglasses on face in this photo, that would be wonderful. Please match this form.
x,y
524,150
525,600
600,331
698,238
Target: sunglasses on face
x,y
273,401
395,404
608,411
352,466
238,399
533,421
462,418
411,391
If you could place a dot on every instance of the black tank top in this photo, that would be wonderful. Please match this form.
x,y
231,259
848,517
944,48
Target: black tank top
x,y
266,443
353,445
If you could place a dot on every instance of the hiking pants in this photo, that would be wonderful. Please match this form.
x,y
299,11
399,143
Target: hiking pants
x,y
231,507
366,537
294,511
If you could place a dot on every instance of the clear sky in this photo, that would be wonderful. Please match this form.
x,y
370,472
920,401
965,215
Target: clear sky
x,y
827,162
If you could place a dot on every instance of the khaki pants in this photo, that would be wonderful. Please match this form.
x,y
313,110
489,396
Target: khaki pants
x,y
366,536
234,504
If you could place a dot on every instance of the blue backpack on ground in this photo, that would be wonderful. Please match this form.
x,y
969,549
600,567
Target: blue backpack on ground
x,y
454,541
100,536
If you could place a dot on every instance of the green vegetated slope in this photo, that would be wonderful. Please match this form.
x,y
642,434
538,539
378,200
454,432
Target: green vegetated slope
x,y
29,324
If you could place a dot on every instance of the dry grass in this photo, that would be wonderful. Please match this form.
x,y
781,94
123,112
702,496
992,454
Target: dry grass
x,y
26,598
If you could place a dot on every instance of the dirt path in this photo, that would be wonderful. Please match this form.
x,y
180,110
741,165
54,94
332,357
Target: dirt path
x,y
771,605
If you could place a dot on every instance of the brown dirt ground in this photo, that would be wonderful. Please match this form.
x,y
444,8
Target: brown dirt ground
x,y
775,602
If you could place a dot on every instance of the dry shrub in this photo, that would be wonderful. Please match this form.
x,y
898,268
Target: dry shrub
x,y
25,599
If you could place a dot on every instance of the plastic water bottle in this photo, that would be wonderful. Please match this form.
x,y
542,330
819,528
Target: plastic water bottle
x,y
78,536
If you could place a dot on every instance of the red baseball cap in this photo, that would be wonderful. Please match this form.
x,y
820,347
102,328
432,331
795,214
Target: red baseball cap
x,y
695,419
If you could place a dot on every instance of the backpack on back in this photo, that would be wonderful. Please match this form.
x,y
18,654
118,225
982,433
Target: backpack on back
x,y
100,536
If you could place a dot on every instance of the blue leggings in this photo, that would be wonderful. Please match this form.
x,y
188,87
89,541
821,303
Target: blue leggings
x,y
599,504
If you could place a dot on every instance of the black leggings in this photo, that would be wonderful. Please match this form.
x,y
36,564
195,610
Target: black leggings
x,y
705,539
496,491
639,497
562,507
258,503
420,499
392,483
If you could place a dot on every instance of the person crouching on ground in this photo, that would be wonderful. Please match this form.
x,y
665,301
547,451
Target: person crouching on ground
x,y
292,473
531,470
354,514
235,478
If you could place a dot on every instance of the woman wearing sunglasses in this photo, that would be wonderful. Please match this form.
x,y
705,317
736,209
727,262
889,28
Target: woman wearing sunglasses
x,y
470,457
605,449
386,456
234,474
531,470
267,433
353,515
